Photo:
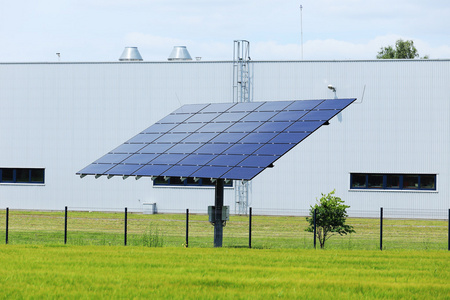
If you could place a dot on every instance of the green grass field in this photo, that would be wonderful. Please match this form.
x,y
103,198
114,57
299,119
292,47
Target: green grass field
x,y
86,272
268,232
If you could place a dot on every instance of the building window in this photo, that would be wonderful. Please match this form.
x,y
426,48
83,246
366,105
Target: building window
x,y
22,175
188,182
393,181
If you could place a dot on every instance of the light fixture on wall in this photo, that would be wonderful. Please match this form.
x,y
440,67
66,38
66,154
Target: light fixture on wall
x,y
331,87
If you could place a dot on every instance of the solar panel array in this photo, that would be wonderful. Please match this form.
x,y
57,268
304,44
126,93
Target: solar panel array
x,y
222,140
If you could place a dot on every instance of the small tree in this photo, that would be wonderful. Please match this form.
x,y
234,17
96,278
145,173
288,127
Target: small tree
x,y
330,218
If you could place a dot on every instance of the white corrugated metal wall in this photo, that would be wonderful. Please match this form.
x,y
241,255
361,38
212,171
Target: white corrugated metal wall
x,y
63,116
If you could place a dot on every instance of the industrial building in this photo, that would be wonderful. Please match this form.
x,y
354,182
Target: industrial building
x,y
388,149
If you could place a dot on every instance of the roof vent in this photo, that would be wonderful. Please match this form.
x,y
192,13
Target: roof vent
x,y
131,54
180,53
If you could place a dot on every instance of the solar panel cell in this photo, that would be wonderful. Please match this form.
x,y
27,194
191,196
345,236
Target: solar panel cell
x,y
111,158
94,169
274,149
230,117
304,105
335,104
159,128
124,169
151,170
180,171
212,148
289,138
210,172
274,105
167,159
144,138
227,160
128,148
239,173
273,126
261,161
288,115
140,158
155,148
242,149
196,159
319,115
304,126
243,127
258,138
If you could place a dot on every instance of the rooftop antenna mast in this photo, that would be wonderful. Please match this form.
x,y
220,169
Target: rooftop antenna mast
x,y
301,27
242,92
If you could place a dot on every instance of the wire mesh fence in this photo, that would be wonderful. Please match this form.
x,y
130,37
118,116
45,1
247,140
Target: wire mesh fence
x,y
399,229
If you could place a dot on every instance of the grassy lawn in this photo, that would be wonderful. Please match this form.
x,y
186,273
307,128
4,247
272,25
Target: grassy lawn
x,y
268,232
58,271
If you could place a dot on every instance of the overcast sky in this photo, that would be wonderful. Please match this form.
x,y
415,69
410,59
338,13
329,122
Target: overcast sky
x,y
98,30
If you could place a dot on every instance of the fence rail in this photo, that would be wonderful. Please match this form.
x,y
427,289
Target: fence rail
x,y
256,230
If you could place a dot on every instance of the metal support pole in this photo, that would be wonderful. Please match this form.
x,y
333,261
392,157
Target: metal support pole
x,y
187,228
449,229
126,225
250,228
381,228
7,224
218,225
315,213
65,225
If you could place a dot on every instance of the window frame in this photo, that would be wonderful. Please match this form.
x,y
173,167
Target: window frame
x,y
16,179
385,185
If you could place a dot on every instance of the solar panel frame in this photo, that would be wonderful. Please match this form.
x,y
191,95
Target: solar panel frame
x,y
219,140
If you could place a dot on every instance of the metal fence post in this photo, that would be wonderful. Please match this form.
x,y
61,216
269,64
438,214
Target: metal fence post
x,y
7,224
449,229
314,216
381,228
65,225
125,229
250,228
187,228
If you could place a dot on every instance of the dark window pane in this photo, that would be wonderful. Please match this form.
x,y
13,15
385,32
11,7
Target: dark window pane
x,y
176,181
37,175
7,175
411,181
375,181
393,182
428,182
22,175
207,181
160,181
191,181
358,181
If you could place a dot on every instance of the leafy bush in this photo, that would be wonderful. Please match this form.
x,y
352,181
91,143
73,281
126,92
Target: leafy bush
x,y
330,218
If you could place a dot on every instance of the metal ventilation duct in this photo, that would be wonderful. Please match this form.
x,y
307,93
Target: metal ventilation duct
x,y
180,53
131,54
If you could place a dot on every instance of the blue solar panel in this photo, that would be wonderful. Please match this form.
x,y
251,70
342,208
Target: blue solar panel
x,y
242,173
144,138
258,161
111,158
227,160
224,140
123,169
319,115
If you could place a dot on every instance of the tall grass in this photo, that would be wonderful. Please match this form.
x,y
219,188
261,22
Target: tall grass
x,y
268,232
73,272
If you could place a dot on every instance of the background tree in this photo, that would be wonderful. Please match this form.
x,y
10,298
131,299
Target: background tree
x,y
330,218
403,50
